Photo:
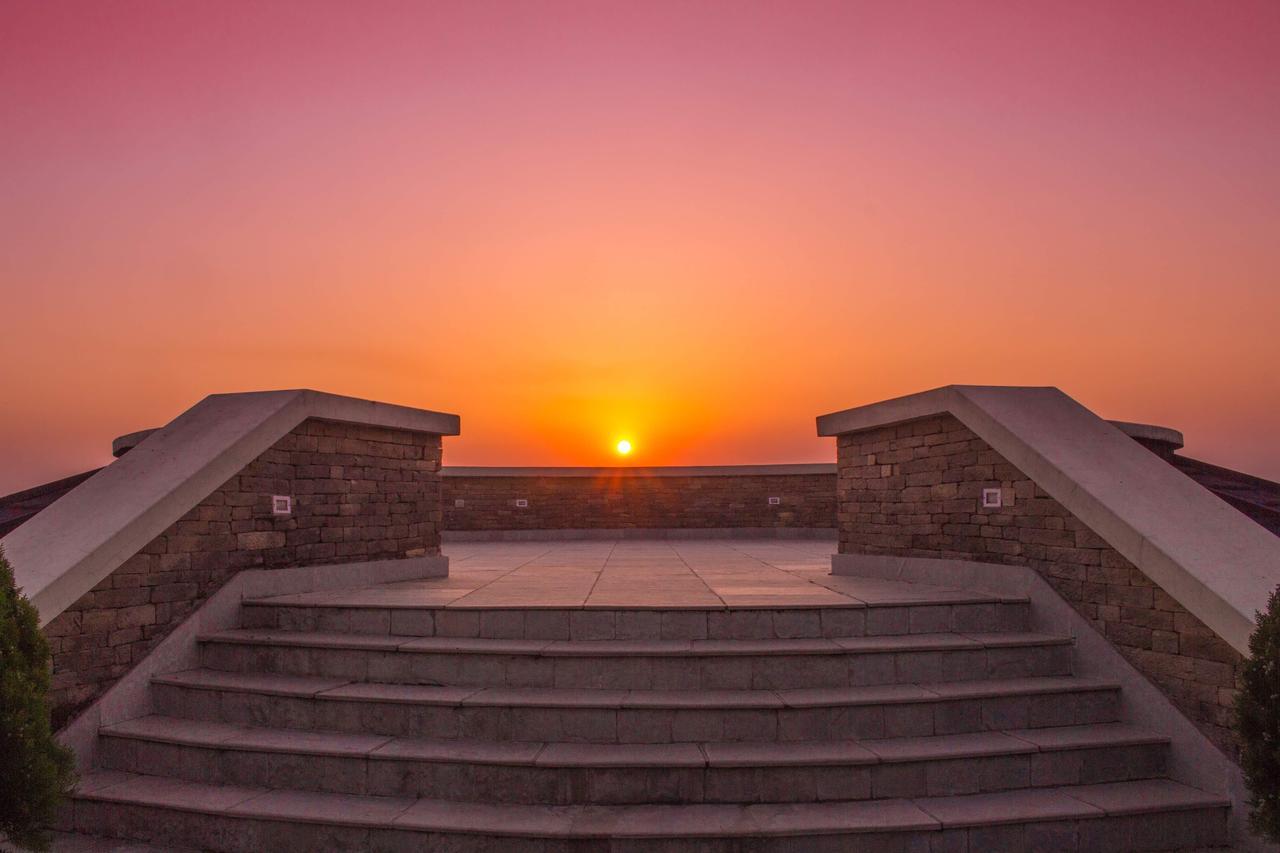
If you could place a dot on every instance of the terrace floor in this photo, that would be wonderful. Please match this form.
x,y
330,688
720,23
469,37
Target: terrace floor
x,y
667,574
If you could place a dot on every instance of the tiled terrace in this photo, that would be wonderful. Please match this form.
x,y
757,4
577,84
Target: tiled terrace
x,y
636,573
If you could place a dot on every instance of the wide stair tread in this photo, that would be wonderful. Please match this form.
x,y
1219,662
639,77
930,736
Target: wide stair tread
x,y
1082,802
372,719
175,730
635,648
895,608
340,688
885,593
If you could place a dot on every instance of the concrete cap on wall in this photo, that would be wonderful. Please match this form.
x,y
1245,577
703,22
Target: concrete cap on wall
x,y
74,543
1212,559
123,444
1151,433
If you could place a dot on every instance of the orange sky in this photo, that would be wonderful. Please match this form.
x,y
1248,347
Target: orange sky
x,y
696,225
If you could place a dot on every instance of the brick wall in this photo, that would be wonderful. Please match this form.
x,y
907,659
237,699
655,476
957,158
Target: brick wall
x,y
360,493
639,501
916,490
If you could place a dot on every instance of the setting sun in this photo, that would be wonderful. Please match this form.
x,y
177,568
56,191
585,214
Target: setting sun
x,y
624,447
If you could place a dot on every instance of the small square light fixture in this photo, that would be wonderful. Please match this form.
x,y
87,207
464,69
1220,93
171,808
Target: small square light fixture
x,y
521,503
459,503
775,501
281,505
991,499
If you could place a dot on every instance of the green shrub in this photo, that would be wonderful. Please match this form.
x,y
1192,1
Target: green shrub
x,y
36,772
1258,722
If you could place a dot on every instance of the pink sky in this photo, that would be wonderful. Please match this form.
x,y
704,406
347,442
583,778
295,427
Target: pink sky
x,y
694,225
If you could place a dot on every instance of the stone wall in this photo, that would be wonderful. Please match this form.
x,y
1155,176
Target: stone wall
x,y
915,489
630,500
360,493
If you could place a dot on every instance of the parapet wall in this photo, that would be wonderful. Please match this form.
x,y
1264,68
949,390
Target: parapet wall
x,y
258,480
488,500
1165,570
916,490
360,493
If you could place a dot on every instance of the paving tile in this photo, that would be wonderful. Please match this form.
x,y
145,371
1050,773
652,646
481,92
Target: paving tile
x,y
791,753
175,729
1017,638
871,695
547,697
1015,686
1096,735
504,819
268,683
1147,795
701,699
604,648
621,755
96,780
408,693
311,742
944,747
1007,807
652,821
315,639
474,645
844,817
906,642
176,794
457,750
801,646
316,807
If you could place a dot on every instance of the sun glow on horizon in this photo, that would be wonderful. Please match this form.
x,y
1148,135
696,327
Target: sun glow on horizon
x,y
704,224
623,447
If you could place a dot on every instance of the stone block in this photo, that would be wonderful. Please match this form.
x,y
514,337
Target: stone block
x,y
260,539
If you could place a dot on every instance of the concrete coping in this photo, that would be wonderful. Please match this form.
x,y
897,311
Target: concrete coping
x,y
1211,558
647,471
75,542
1151,432
124,443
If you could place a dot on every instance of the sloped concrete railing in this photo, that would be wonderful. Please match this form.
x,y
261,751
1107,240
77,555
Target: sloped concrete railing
x,y
1214,561
73,544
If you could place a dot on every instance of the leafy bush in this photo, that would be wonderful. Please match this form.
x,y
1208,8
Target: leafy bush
x,y
36,772
1258,722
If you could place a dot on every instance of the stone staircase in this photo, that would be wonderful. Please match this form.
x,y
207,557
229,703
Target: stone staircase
x,y
932,723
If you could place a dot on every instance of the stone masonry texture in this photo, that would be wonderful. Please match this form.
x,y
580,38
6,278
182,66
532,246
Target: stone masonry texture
x,y
915,489
557,503
359,493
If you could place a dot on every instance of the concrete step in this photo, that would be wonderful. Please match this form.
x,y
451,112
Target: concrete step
x,y
567,774
637,716
775,664
1145,815
937,612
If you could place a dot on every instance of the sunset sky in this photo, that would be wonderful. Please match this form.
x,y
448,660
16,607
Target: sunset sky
x,y
692,225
